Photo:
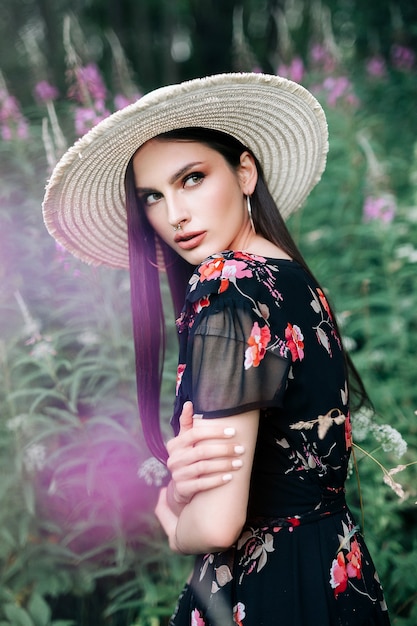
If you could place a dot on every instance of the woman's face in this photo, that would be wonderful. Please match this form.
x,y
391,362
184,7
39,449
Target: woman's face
x,y
189,184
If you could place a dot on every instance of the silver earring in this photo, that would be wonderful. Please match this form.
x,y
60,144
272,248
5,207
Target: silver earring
x,y
248,204
177,227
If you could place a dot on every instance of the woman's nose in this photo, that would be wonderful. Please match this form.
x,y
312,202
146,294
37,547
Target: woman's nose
x,y
177,212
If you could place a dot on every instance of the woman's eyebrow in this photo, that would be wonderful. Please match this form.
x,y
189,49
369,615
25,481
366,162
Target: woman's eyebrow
x,y
177,175
183,171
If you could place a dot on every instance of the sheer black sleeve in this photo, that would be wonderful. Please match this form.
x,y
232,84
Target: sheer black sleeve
x,y
236,363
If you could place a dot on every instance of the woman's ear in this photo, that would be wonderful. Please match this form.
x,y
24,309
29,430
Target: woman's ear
x,y
247,173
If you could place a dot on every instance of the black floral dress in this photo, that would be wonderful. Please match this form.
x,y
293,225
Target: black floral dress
x,y
257,332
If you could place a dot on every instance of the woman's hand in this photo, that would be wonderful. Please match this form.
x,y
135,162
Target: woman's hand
x,y
200,459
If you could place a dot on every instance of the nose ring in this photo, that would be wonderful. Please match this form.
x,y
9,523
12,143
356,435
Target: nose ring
x,y
177,227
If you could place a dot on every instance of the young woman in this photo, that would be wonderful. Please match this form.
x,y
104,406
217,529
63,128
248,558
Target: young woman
x,y
188,181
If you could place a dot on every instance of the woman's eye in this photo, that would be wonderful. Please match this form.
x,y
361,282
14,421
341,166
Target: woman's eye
x,y
193,179
151,198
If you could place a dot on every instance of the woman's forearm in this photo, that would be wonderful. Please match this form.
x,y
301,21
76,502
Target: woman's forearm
x,y
199,532
212,520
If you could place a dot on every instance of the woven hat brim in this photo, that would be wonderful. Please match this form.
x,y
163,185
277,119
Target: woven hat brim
x,y
280,121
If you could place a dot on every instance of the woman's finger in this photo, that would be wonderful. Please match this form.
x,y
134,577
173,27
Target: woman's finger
x,y
193,436
186,417
187,489
185,457
205,468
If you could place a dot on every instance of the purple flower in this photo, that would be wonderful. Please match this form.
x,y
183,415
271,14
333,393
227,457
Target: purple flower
x,y
88,85
45,92
87,117
294,71
12,122
338,88
381,208
375,66
22,129
9,106
121,101
6,133
402,58
322,58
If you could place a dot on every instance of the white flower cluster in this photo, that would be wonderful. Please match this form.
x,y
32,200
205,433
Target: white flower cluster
x,y
389,438
407,252
362,424
43,350
152,472
88,338
35,456
17,422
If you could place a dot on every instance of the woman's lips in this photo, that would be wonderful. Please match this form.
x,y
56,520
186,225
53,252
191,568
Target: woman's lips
x,y
188,241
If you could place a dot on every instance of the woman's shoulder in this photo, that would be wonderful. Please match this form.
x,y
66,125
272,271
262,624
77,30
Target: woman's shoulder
x,y
242,270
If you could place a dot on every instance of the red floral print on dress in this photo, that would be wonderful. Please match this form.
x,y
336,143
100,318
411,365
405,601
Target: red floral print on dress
x,y
348,432
354,557
258,341
211,269
346,566
196,619
226,270
338,575
239,613
236,269
200,304
324,302
180,372
295,341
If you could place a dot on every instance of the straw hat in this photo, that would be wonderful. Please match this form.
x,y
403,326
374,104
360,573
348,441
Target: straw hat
x,y
279,120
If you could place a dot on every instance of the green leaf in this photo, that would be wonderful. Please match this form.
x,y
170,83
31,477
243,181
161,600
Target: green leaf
x,y
39,610
17,616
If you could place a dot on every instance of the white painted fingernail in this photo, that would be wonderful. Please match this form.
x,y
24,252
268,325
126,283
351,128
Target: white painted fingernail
x,y
239,449
198,416
227,477
237,463
229,432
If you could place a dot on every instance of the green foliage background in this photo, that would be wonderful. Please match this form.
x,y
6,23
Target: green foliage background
x,y
78,541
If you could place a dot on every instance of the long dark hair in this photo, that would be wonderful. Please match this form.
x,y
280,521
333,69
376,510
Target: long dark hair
x,y
149,255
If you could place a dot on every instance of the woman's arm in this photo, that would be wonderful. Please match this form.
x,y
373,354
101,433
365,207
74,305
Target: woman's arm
x,y
212,519
200,458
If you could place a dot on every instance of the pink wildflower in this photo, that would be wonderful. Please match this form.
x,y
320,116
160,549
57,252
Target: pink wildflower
x,y
339,88
322,58
88,85
13,124
121,101
376,67
402,58
6,133
87,117
294,71
45,92
380,208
